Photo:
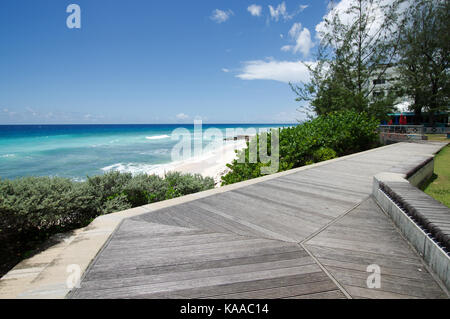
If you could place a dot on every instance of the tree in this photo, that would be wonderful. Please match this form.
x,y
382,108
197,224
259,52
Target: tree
x,y
424,48
356,46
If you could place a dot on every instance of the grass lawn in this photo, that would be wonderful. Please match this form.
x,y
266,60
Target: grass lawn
x,y
437,137
438,186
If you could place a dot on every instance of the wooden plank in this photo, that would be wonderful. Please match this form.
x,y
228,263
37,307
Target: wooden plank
x,y
270,219
354,279
412,283
236,243
239,287
168,259
416,273
198,282
214,271
391,261
255,229
360,292
347,254
294,210
283,292
333,294
98,273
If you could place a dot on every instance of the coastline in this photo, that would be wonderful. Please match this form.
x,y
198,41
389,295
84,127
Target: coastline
x,y
76,152
212,164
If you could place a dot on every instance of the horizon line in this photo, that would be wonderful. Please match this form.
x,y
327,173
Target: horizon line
x,y
146,123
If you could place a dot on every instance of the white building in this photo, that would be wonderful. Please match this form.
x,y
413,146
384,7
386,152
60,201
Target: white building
x,y
381,86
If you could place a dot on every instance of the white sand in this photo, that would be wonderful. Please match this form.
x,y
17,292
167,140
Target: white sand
x,y
212,164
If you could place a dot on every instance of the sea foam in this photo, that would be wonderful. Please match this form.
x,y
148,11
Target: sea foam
x,y
139,168
157,137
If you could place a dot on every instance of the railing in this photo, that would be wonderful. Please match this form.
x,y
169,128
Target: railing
x,y
402,129
401,133
437,130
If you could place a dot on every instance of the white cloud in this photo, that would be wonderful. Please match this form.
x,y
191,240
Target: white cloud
x,y
282,71
279,12
225,70
302,38
8,112
31,111
182,116
295,29
220,16
342,10
303,42
255,10
303,7
32,116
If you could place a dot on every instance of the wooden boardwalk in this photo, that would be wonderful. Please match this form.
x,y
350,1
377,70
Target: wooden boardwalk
x,y
310,234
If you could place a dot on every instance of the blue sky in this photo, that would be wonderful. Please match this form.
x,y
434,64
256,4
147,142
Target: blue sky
x,y
145,61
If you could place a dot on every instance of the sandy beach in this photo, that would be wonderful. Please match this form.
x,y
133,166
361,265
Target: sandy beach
x,y
212,164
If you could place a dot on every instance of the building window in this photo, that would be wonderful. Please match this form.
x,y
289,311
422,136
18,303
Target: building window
x,y
378,94
379,81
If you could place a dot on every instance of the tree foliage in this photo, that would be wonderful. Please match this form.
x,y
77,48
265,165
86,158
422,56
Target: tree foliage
x,y
355,47
319,139
423,55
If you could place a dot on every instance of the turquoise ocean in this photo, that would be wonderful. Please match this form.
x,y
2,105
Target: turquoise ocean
x,y
77,151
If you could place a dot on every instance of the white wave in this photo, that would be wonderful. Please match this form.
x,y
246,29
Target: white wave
x,y
156,152
138,168
206,158
157,137
8,155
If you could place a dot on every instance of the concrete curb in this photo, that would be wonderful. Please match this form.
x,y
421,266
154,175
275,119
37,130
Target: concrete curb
x,y
433,255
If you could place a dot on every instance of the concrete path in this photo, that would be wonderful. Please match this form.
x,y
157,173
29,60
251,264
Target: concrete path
x,y
309,233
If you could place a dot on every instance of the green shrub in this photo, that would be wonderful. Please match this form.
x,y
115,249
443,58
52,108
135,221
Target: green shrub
x,y
115,203
188,184
322,154
33,208
322,138
108,185
41,203
144,189
32,204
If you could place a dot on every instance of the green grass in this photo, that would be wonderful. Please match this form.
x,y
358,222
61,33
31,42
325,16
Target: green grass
x,y
439,185
437,137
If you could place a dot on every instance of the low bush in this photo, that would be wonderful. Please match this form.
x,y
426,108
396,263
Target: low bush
x,y
34,208
322,138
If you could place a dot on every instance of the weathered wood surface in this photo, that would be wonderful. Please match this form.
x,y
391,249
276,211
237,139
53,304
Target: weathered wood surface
x,y
430,214
249,242
363,237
